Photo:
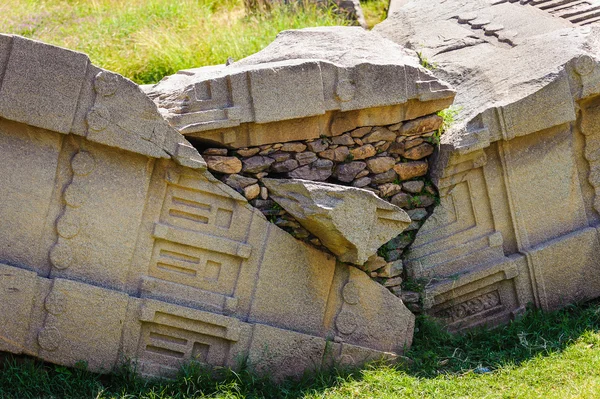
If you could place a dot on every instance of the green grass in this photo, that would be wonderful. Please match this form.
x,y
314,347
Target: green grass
x,y
375,11
145,40
553,355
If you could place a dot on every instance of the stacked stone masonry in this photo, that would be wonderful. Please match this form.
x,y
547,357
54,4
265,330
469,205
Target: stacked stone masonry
x,y
391,161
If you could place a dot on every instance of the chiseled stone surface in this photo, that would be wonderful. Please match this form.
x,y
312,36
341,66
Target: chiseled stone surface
x,y
517,170
118,243
307,84
332,212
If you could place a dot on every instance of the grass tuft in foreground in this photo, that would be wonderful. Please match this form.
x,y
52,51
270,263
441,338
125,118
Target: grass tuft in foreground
x,y
553,355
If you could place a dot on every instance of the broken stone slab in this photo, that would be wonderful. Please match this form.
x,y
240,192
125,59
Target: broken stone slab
x,y
351,222
141,253
306,84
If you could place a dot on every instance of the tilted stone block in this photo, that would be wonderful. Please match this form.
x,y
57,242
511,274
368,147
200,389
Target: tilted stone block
x,y
332,212
307,83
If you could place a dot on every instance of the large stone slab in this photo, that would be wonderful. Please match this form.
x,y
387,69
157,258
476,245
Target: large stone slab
x,y
351,222
307,83
117,244
517,171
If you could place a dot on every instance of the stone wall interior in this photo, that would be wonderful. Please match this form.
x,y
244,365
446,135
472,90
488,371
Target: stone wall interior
x,y
517,173
120,242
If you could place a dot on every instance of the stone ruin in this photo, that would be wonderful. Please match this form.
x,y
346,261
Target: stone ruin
x,y
518,172
120,245
236,214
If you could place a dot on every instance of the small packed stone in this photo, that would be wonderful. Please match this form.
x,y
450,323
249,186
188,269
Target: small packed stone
x,y
390,161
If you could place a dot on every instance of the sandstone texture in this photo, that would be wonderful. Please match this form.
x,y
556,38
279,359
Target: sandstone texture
x,y
517,170
332,213
118,243
307,84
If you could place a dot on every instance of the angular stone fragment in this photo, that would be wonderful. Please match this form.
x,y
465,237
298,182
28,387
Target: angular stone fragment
x,y
391,269
413,143
338,154
247,152
380,164
374,263
319,170
285,166
238,182
293,147
363,152
344,139
389,189
280,156
410,170
304,158
417,214
424,200
361,131
385,177
421,125
413,187
352,223
215,151
393,282
361,182
347,172
396,148
379,134
251,192
419,152
318,145
257,164
402,200
220,164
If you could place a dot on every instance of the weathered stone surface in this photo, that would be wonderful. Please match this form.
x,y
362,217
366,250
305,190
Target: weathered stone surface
x,y
380,164
361,182
417,214
285,166
389,189
363,152
257,164
307,83
402,200
379,134
293,147
374,263
338,154
216,151
248,152
344,139
421,125
222,164
347,172
413,187
318,145
410,170
280,156
252,191
419,152
304,158
361,131
391,269
319,170
238,182
140,253
386,177
332,212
